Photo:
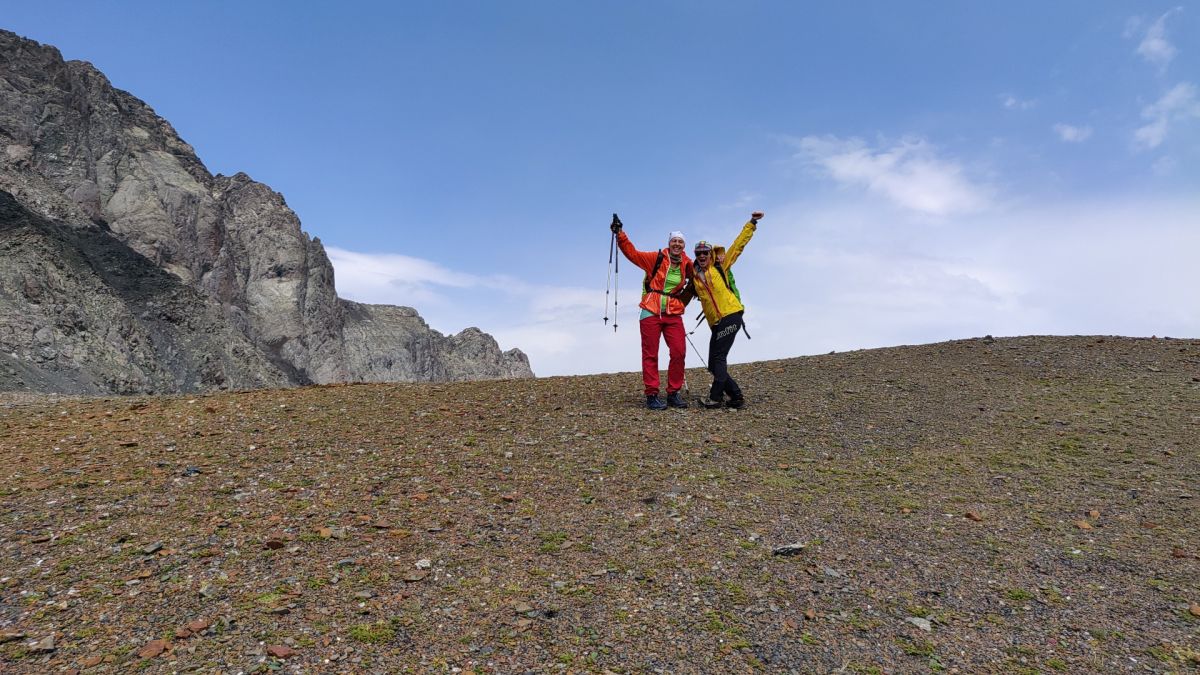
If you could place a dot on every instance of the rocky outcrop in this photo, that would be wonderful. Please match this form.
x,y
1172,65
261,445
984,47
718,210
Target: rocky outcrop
x,y
387,343
94,159
83,313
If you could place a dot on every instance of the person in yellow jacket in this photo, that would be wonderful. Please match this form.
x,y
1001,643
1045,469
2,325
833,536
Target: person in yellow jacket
x,y
723,309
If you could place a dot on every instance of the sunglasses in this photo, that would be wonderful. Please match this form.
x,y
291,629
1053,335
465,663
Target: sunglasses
x,y
700,253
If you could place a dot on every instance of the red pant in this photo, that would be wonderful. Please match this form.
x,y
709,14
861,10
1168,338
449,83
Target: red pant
x,y
671,328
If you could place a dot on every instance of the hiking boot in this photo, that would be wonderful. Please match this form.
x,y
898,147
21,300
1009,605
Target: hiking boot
x,y
709,403
736,403
655,403
676,401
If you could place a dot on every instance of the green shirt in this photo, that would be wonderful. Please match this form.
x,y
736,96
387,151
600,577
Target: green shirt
x,y
674,278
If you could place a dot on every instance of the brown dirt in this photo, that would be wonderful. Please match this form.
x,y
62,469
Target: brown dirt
x,y
1033,499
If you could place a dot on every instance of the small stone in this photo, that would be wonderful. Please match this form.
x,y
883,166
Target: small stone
x,y
197,626
183,633
274,544
10,636
424,564
1093,514
1194,610
46,644
153,648
923,624
971,515
522,607
365,595
811,615
789,549
415,575
153,548
89,661
1083,525
280,651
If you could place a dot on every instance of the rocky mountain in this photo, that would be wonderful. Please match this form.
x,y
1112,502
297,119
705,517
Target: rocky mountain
x,y
128,267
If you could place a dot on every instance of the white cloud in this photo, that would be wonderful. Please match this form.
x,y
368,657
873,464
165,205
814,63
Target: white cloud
x,y
1072,134
1013,103
909,173
1177,105
1155,48
370,275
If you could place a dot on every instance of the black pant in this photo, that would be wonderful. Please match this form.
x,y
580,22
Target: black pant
x,y
719,345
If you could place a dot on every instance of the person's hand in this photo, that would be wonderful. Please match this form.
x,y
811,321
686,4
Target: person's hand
x,y
753,216
616,224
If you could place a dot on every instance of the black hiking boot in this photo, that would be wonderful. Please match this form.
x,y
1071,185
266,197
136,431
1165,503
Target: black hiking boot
x,y
710,403
736,403
655,403
676,401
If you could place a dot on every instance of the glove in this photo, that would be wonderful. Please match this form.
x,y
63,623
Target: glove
x,y
616,224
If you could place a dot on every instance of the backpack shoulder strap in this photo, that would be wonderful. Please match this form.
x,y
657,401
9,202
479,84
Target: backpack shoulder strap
x,y
724,276
653,272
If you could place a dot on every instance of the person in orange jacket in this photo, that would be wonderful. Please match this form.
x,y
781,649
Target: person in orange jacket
x,y
667,274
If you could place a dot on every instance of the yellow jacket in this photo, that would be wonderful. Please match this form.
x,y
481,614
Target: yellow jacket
x,y
715,295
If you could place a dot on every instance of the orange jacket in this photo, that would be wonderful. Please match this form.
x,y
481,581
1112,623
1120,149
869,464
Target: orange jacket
x,y
652,300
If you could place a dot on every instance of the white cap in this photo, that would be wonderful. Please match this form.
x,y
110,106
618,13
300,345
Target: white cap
x,y
676,235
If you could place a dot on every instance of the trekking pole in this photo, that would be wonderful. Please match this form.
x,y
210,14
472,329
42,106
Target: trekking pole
x,y
695,348
616,271
608,281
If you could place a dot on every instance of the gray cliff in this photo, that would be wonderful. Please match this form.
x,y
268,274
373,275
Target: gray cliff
x,y
248,296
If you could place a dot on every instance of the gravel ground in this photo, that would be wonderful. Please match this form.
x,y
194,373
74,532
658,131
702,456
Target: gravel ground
x,y
1011,505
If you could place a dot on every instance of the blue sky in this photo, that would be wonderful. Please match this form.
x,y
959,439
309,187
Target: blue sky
x,y
930,170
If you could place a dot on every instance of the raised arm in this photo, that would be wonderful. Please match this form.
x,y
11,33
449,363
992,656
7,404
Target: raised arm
x,y
739,244
643,259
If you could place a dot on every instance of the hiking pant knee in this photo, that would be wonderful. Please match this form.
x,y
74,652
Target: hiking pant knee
x,y
723,334
672,331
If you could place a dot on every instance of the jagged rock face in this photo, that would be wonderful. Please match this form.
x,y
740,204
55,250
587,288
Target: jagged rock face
x,y
85,314
386,343
82,153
